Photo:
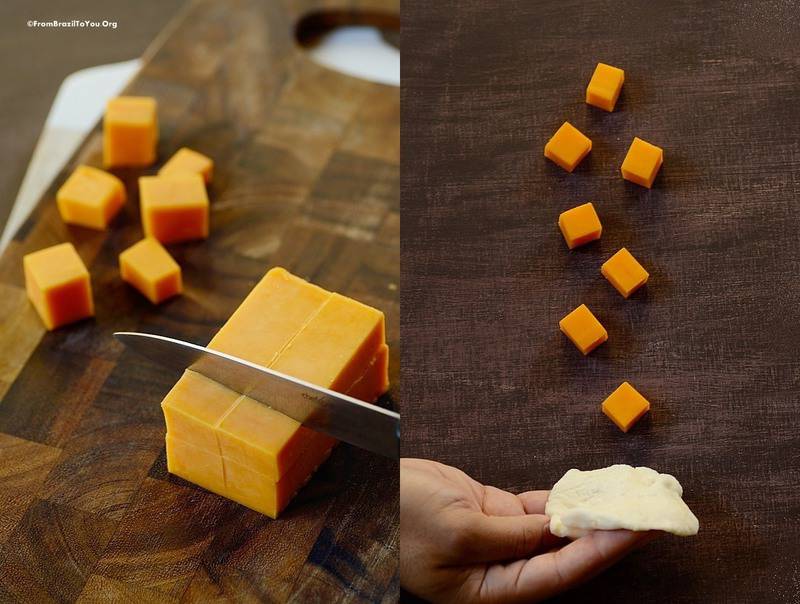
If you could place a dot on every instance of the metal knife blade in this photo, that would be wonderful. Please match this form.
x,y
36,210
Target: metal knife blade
x,y
343,417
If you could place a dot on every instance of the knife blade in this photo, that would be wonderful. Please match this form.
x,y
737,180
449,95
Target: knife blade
x,y
343,417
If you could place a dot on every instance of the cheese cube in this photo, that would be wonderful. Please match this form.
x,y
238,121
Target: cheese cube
x,y
186,160
567,147
174,208
624,272
642,163
130,131
149,268
604,87
580,225
625,406
90,198
58,285
583,328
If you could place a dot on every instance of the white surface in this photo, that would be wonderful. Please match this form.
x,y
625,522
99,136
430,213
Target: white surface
x,y
77,108
358,51
618,497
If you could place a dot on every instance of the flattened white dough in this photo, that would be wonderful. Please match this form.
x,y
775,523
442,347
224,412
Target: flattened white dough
x,y
618,497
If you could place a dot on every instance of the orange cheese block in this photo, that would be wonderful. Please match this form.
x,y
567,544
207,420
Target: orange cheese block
x,y
201,466
239,482
336,345
58,285
194,407
274,311
580,225
642,163
264,440
149,268
625,406
90,198
624,272
174,208
567,147
583,328
246,486
270,442
208,415
604,87
281,322
187,161
271,455
375,381
130,131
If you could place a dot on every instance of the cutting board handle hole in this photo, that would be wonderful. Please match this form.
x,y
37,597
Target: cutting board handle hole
x,y
363,44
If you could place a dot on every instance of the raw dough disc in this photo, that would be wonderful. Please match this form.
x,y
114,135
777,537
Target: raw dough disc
x,y
618,497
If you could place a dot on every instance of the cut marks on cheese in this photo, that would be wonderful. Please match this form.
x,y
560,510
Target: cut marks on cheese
x,y
295,327
274,312
618,497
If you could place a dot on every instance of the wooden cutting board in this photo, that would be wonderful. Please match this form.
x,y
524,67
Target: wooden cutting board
x,y
306,177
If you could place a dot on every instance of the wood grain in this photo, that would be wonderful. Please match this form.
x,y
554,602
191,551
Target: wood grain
x,y
307,177
490,384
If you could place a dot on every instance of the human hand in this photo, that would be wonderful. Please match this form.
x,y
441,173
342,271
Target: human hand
x,y
461,541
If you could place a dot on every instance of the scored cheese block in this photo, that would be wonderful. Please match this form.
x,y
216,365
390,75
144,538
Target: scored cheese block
x,y
208,415
194,408
295,327
259,336
58,285
336,344
237,481
375,380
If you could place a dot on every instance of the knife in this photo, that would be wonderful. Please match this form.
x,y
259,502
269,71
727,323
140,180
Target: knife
x,y
343,417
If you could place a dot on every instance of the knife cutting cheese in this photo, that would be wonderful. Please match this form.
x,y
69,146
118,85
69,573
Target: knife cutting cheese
x,y
246,451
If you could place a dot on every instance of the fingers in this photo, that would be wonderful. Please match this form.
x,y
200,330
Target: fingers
x,y
497,502
549,574
498,538
589,555
534,501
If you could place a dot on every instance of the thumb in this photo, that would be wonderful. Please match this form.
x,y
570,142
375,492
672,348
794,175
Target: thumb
x,y
496,538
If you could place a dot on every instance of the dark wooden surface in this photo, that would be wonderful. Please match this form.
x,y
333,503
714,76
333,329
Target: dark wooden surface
x,y
493,387
307,177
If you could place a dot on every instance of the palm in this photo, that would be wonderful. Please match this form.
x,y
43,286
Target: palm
x,y
484,544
